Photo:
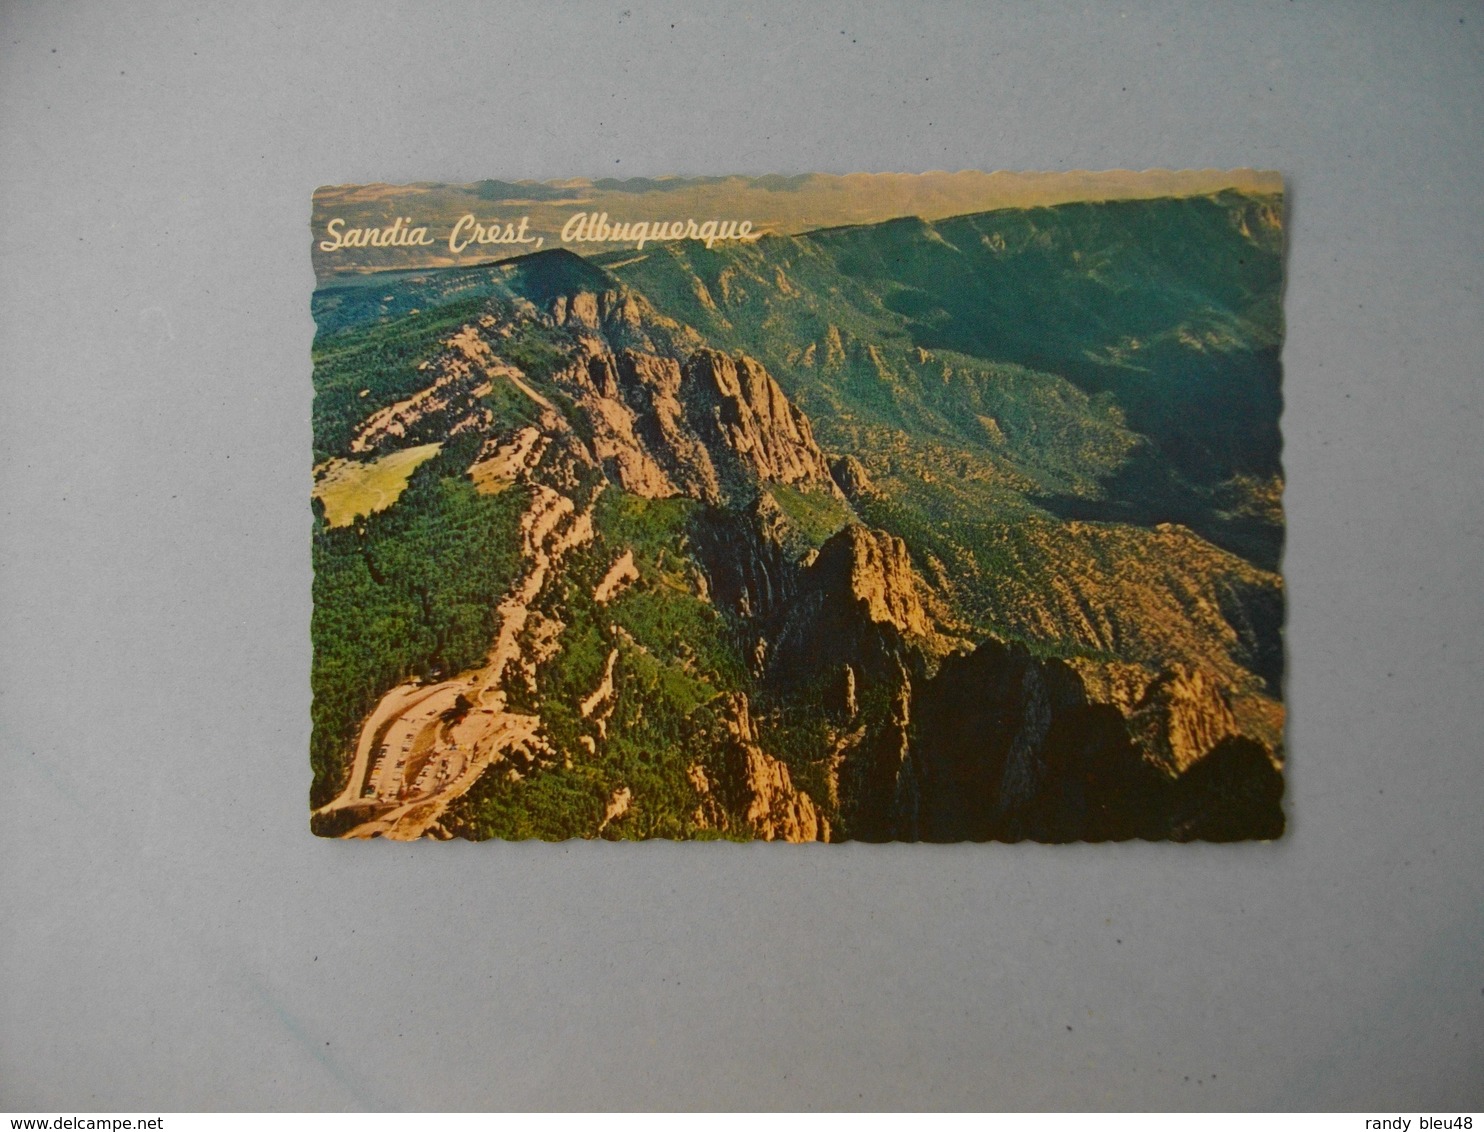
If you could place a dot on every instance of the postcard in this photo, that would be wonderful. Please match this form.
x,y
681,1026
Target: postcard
x,y
885,507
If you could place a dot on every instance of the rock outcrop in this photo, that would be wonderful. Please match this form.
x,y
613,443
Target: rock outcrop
x,y
858,602
850,475
1233,793
464,371
639,433
621,573
752,784
601,697
749,425
1181,718
710,427
605,316
873,568
617,807
749,569
1009,747
875,778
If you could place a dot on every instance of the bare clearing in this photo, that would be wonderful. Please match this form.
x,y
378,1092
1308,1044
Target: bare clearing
x,y
351,488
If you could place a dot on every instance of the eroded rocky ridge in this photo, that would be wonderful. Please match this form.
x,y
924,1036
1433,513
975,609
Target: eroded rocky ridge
x,y
751,784
708,426
989,742
933,732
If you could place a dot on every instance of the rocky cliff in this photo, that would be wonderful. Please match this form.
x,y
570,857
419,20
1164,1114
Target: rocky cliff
x,y
716,629
707,426
751,784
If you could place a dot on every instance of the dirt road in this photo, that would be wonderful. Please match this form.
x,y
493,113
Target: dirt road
x,y
424,745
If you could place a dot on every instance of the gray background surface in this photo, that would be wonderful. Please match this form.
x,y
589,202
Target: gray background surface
x,y
173,937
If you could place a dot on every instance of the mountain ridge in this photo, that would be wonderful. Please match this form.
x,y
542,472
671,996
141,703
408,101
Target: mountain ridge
x,y
816,516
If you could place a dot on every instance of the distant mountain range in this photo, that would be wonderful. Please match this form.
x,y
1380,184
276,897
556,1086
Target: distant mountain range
x,y
775,205
938,529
